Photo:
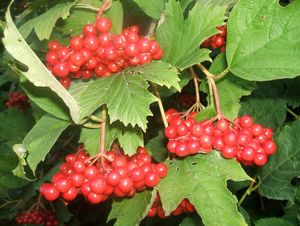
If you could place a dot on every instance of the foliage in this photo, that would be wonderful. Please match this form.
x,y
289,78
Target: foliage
x,y
257,75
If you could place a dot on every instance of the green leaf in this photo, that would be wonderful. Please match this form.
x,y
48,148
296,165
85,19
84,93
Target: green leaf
x,y
283,166
91,140
130,211
75,22
191,220
292,93
44,23
46,100
263,40
266,104
42,137
180,38
14,126
152,8
37,73
228,3
130,139
62,212
206,113
272,221
230,88
157,147
126,94
202,180
9,160
292,209
11,181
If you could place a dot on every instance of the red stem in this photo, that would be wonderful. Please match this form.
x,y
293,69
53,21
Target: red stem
x,y
106,5
102,138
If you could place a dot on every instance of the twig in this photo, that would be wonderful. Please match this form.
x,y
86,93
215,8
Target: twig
x,y
250,189
102,138
160,105
293,114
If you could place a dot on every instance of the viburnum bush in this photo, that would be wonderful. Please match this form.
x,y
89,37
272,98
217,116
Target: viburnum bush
x,y
161,112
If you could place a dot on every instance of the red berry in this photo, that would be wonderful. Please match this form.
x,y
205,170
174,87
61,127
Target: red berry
x,y
151,179
103,25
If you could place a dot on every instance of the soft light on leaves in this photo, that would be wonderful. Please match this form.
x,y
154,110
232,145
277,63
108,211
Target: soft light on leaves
x,y
180,38
130,211
263,40
126,94
266,104
157,147
230,88
152,8
37,73
283,166
228,3
202,180
42,137
184,77
44,24
273,221
115,13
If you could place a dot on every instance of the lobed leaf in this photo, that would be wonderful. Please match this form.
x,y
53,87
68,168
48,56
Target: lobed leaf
x,y
202,180
263,40
283,166
37,73
180,38
42,137
44,23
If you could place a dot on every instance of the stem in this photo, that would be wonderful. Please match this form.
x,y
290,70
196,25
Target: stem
x,y
9,203
152,28
91,125
216,96
105,6
87,6
293,114
213,76
102,138
250,189
161,107
195,84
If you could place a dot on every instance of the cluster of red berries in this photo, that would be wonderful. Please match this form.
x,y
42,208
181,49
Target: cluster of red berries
x,y
186,100
45,218
156,210
98,53
19,100
249,143
117,175
218,40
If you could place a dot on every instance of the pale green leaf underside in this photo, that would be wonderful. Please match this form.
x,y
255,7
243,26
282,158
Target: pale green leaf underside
x,y
202,179
44,24
263,40
283,166
180,38
42,137
37,72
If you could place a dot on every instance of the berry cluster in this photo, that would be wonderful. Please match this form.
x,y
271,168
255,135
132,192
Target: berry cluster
x,y
19,100
184,207
249,143
45,218
99,53
117,175
186,100
218,40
